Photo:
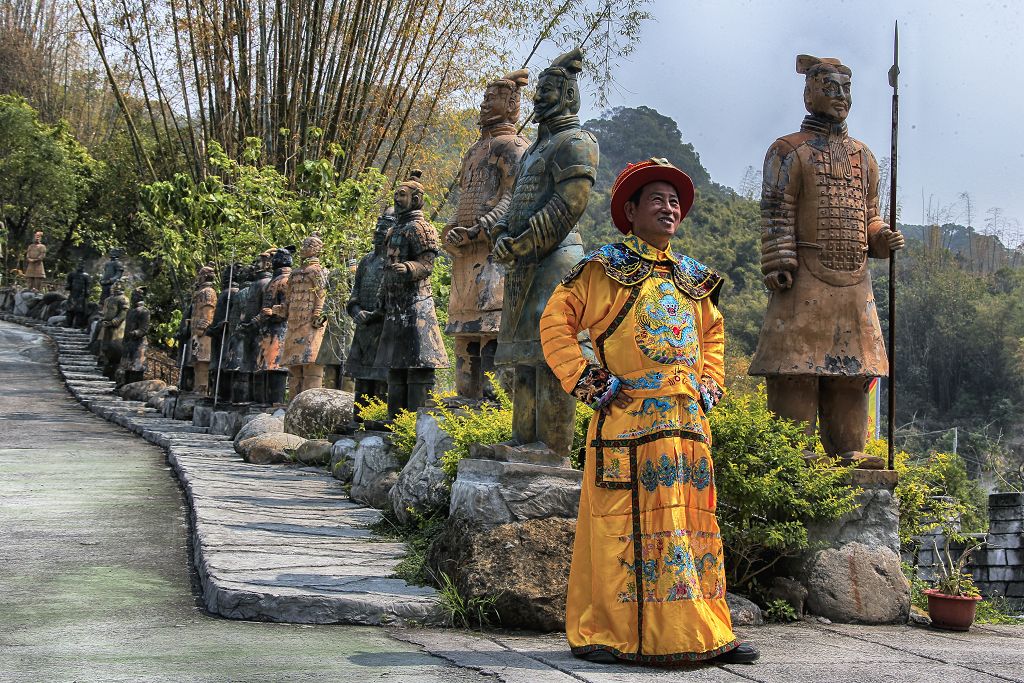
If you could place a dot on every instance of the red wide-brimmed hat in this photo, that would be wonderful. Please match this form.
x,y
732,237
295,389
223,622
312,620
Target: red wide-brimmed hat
x,y
635,176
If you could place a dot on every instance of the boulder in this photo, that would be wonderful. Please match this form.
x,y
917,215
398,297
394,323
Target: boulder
x,y
269,448
25,301
857,583
315,413
157,400
342,464
261,423
496,492
422,485
374,471
524,565
142,391
314,452
743,611
875,522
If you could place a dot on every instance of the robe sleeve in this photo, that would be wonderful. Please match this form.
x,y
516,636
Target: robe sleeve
x,y
712,379
572,308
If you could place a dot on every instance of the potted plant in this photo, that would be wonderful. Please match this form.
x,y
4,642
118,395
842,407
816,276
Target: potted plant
x,y
953,601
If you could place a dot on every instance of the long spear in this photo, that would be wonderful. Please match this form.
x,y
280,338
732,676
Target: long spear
x,y
894,72
224,331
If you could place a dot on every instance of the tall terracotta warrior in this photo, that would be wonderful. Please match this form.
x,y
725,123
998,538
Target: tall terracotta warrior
x,y
204,301
410,343
111,335
370,381
273,327
35,273
136,326
303,307
79,284
821,343
485,192
538,243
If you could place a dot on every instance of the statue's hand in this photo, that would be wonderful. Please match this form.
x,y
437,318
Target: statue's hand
x,y
503,251
457,237
319,322
362,317
400,268
894,239
778,279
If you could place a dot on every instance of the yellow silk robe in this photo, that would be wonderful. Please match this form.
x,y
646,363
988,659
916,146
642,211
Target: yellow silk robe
x,y
649,479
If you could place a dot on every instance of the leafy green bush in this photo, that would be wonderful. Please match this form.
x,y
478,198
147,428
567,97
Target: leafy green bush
x,y
767,492
781,612
403,435
375,409
490,424
579,436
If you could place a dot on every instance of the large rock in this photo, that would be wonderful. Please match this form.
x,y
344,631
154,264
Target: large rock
x,y
269,448
875,522
524,565
423,487
314,452
743,611
496,492
144,390
857,583
315,413
259,424
157,400
25,301
374,471
342,464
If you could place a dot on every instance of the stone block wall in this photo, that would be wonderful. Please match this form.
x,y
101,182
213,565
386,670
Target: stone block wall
x,y
998,567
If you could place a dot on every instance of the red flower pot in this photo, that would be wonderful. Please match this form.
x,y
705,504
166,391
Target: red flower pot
x,y
951,612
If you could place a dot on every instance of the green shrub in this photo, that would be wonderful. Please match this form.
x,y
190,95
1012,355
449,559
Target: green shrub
x,y
932,491
579,437
767,492
781,612
375,409
403,435
490,424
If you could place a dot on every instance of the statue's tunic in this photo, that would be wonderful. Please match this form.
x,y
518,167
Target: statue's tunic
x,y
338,327
411,337
204,301
251,318
302,307
564,151
273,326
366,338
821,194
647,579
34,256
136,325
115,310
486,181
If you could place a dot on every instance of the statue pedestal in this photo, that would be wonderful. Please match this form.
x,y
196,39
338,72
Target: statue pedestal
x,y
500,484
856,577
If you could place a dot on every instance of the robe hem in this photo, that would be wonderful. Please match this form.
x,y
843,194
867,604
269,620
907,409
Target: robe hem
x,y
672,658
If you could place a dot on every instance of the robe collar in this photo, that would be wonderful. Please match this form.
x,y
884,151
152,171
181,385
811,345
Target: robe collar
x,y
648,251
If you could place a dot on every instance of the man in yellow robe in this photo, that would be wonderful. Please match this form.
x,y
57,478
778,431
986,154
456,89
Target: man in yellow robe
x,y
647,583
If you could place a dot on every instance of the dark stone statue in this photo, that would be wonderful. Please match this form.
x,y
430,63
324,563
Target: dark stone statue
x,y
219,330
538,243
370,380
249,385
79,284
111,335
232,386
410,347
136,326
204,302
821,342
113,271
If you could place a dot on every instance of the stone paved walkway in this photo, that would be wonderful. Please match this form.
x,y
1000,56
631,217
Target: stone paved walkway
x,y
271,543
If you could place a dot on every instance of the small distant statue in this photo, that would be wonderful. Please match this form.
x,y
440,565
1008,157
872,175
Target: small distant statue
x,y
233,375
79,284
485,192
337,324
204,301
273,327
113,270
303,308
821,342
410,343
136,326
111,336
226,300
35,273
249,384
538,243
370,380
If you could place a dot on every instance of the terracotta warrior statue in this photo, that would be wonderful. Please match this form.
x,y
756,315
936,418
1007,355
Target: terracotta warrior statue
x,y
219,328
234,381
133,357
35,273
538,243
410,347
337,324
79,284
111,334
303,308
485,191
273,326
204,302
113,270
370,380
821,343
249,384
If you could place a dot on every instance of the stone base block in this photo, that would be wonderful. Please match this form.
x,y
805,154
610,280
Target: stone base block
x,y
857,583
496,492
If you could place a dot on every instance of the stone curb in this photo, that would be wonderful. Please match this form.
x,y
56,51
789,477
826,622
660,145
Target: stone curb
x,y
238,527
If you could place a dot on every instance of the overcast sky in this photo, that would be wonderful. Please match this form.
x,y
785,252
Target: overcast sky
x,y
725,71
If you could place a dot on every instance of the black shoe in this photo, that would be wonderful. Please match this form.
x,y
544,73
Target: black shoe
x,y
599,657
744,653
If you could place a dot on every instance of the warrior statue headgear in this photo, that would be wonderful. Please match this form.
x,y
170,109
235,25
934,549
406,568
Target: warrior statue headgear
x,y
513,83
567,67
313,244
415,188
